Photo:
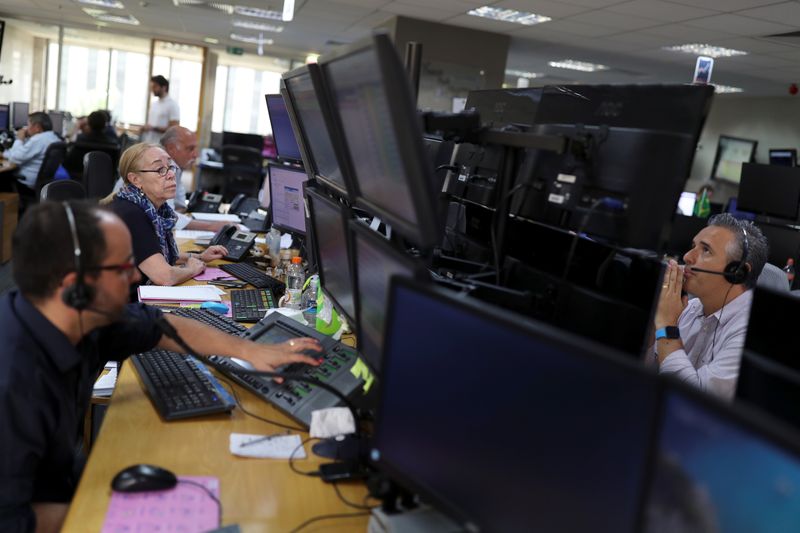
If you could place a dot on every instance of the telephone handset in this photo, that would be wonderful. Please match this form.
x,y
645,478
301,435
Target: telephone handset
x,y
249,209
203,202
236,241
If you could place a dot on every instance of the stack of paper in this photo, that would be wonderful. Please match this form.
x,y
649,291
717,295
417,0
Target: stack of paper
x,y
215,217
105,384
187,293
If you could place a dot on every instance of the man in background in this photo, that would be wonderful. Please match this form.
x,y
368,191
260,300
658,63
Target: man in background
x,y
164,111
28,149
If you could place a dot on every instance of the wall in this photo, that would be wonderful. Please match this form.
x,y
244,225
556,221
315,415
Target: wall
x,y
773,122
16,63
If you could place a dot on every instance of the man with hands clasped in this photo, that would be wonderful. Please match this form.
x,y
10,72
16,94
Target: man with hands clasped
x,y
700,341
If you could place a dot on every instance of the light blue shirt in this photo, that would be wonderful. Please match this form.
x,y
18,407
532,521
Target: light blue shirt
x,y
29,155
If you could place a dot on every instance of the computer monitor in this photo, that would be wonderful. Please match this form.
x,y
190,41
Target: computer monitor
x,y
373,103
312,117
4,116
286,198
375,261
784,242
57,119
769,375
627,163
19,115
472,393
329,230
720,469
682,232
285,143
770,190
499,108
785,157
731,153
250,140
686,203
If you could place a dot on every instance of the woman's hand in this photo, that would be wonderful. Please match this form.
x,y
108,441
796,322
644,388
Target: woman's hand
x,y
212,253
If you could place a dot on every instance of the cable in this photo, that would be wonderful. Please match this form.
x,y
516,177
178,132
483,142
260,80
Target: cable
x,y
326,517
239,404
451,168
210,495
364,507
314,473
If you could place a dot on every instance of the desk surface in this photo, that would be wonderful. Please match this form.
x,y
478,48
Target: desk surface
x,y
6,166
258,494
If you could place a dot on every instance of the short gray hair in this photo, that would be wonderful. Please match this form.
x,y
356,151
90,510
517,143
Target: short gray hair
x,y
757,245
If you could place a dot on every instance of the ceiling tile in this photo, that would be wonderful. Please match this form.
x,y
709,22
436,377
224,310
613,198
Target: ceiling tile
x,y
739,25
756,45
542,7
595,3
421,12
725,6
619,21
656,9
583,29
786,12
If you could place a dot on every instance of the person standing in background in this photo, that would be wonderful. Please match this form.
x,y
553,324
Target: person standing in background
x,y
164,111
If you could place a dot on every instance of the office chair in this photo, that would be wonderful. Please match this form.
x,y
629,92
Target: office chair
x,y
243,168
98,174
60,190
773,277
75,156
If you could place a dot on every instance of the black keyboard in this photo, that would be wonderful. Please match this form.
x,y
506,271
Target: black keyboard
x,y
255,277
180,386
250,305
216,320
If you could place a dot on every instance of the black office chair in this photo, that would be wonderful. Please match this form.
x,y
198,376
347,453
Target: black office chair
x,y
60,190
98,174
75,156
243,168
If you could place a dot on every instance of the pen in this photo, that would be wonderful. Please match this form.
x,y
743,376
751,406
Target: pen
x,y
264,438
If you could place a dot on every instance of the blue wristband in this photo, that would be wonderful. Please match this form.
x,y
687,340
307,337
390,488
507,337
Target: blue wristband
x,y
669,332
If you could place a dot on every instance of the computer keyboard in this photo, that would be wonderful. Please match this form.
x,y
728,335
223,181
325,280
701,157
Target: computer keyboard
x,y
250,305
255,277
221,322
180,386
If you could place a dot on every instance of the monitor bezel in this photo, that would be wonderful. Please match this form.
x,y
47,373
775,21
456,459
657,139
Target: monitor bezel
x,y
718,154
280,157
753,168
406,127
792,151
270,211
12,117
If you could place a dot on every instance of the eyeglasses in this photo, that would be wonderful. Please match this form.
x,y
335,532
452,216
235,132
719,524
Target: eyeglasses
x,y
162,171
122,268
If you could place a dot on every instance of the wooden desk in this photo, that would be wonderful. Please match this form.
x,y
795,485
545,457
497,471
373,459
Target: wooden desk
x,y
258,494
6,166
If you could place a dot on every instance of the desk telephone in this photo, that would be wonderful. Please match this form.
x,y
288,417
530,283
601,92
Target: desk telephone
x,y
204,202
249,210
236,241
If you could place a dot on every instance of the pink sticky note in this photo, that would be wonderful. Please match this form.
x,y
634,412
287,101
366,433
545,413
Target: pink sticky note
x,y
213,273
183,509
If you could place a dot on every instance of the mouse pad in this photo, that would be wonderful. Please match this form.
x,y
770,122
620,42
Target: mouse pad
x,y
185,509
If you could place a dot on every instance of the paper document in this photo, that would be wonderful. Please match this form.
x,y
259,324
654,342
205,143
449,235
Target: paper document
x,y
191,293
105,384
216,217
193,234
277,447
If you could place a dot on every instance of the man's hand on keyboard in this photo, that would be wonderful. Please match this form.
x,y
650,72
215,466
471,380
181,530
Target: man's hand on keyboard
x,y
270,356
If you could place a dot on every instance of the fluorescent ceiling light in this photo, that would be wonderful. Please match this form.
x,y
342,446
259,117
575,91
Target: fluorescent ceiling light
x,y
705,50
508,15
116,4
727,89
288,10
94,12
312,58
211,40
252,39
120,19
523,74
571,64
258,13
258,26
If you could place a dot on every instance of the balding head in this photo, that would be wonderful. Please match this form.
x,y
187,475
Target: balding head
x,y
181,145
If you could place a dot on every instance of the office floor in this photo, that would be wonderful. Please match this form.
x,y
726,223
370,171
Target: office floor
x,y
6,281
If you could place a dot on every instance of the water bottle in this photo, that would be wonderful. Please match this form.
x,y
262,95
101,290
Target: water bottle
x,y
789,269
273,239
309,299
295,277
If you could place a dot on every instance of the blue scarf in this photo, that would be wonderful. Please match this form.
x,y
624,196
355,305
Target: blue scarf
x,y
163,220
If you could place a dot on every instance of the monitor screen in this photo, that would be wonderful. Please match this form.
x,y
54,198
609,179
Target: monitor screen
x,y
682,233
286,198
57,119
4,112
371,96
282,133
503,107
716,471
785,157
686,203
329,221
770,190
505,426
731,153
784,242
19,114
375,261
250,140
309,114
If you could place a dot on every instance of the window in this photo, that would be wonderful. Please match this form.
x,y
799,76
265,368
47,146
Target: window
x,y
239,103
128,89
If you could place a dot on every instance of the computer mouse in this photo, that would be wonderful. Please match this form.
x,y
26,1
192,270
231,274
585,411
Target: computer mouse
x,y
217,307
141,478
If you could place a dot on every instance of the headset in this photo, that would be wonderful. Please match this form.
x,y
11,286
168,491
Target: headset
x,y
735,272
78,295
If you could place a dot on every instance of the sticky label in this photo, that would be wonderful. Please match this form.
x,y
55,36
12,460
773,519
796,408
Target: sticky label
x,y
556,199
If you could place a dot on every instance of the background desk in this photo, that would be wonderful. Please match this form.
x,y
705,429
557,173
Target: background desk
x,y
258,494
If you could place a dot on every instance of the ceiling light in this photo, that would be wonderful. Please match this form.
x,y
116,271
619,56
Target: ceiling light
x,y
225,8
116,4
508,15
582,66
258,26
258,13
120,19
252,39
727,89
94,12
705,50
288,10
211,40
312,58
523,74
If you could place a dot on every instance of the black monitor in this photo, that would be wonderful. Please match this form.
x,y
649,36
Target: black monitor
x,y
282,133
682,232
312,117
505,425
784,242
4,115
716,468
627,163
499,108
769,375
329,230
375,261
731,153
770,190
250,140
19,115
371,94
286,198
785,157
57,120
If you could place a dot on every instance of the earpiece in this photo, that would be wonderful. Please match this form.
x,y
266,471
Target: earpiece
x,y
78,295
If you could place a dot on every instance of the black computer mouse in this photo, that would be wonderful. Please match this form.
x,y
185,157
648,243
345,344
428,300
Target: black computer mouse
x,y
140,478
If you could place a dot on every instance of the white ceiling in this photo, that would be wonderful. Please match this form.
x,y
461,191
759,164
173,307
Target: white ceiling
x,y
626,35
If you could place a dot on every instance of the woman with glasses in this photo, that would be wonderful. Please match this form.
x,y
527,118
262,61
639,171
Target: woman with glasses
x,y
149,177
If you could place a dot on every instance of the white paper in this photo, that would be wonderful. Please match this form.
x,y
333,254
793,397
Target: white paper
x,y
277,447
286,241
294,314
216,217
193,234
186,293
105,384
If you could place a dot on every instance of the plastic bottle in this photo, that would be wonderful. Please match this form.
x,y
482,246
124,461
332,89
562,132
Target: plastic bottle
x,y
273,239
295,278
789,269
309,299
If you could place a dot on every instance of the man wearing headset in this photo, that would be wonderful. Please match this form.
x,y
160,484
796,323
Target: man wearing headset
x,y
700,341
68,317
